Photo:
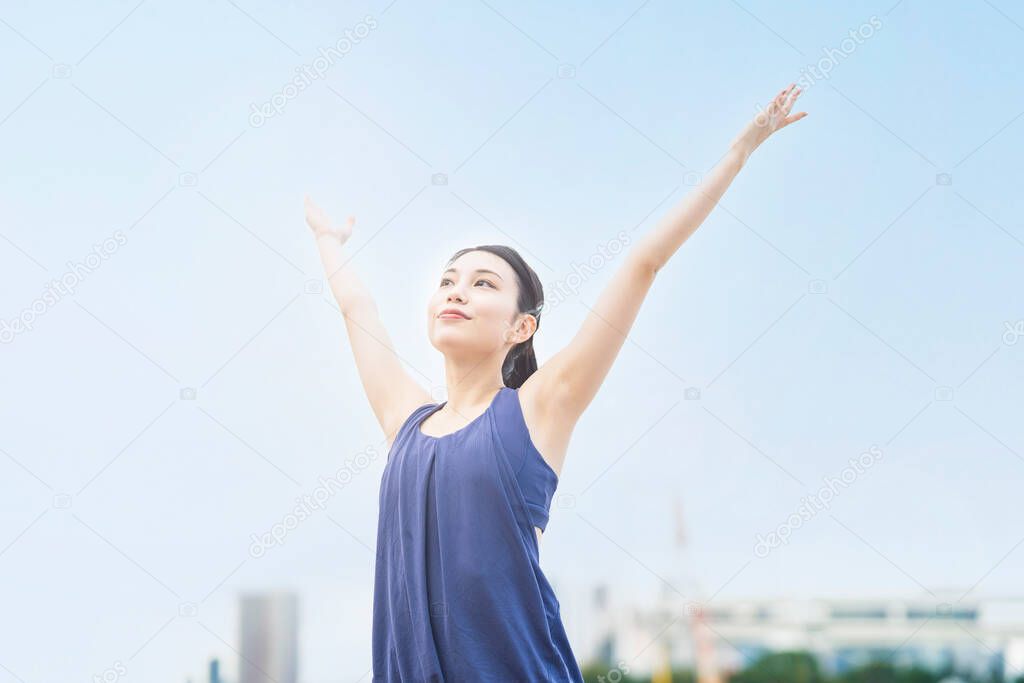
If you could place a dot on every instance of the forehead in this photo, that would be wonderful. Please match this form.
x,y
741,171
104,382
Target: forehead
x,y
482,260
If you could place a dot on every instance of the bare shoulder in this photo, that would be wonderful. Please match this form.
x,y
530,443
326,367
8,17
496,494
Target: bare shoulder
x,y
548,422
402,404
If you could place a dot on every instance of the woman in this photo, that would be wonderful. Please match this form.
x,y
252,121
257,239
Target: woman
x,y
466,490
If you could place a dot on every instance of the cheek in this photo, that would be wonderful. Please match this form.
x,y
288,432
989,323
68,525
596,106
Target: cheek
x,y
430,312
496,322
434,303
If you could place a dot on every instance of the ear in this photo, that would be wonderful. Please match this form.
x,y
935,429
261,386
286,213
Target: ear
x,y
519,330
527,326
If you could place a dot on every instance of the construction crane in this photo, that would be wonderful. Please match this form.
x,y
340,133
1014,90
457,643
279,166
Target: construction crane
x,y
700,630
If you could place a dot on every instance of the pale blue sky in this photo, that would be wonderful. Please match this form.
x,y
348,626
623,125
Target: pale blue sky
x,y
106,105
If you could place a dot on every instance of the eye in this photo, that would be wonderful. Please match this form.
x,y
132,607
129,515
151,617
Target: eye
x,y
489,283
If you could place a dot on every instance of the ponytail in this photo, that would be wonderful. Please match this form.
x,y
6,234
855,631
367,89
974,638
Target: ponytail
x,y
519,364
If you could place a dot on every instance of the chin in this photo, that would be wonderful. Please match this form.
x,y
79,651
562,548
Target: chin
x,y
452,343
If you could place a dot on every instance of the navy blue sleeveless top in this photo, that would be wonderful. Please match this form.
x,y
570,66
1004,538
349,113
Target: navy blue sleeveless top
x,y
459,594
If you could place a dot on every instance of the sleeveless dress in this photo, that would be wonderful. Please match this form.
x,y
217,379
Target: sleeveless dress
x,y
459,595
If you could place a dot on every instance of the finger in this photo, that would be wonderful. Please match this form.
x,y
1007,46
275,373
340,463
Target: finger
x,y
792,119
779,103
780,98
789,103
787,96
314,214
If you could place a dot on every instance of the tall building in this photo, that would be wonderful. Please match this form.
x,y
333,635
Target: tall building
x,y
604,648
270,638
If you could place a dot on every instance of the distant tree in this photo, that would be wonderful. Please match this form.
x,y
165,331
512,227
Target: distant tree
x,y
781,667
595,672
883,672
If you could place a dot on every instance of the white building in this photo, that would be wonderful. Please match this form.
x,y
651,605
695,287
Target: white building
x,y
978,635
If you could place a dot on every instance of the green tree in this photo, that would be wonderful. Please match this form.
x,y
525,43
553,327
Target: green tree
x,y
781,667
883,672
595,672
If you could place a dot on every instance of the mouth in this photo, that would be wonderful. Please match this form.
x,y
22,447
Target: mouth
x,y
450,314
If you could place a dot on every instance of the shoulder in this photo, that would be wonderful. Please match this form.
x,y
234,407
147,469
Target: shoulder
x,y
547,425
405,409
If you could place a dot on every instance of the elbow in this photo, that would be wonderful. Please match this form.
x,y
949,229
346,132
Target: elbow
x,y
646,264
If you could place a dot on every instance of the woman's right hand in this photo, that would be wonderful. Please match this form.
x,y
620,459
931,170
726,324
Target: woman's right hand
x,y
322,226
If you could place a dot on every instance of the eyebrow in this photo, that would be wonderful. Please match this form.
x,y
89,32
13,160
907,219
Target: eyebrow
x,y
478,270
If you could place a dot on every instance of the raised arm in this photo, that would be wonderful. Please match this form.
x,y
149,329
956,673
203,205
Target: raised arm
x,y
565,385
392,392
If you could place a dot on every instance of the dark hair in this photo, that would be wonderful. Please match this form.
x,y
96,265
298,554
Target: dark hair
x,y
521,362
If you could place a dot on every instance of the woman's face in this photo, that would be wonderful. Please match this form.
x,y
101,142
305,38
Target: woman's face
x,y
482,288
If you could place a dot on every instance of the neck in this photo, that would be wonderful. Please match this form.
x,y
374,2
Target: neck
x,y
471,383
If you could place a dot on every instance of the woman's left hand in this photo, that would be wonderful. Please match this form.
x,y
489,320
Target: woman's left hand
x,y
772,118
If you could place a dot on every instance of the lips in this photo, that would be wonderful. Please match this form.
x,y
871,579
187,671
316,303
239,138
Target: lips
x,y
452,314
